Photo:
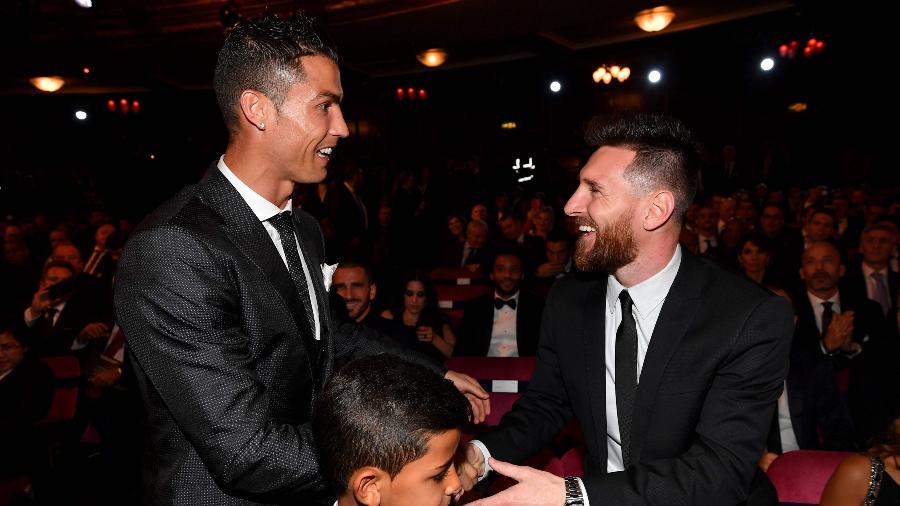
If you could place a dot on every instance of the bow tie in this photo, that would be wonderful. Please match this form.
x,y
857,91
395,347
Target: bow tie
x,y
499,303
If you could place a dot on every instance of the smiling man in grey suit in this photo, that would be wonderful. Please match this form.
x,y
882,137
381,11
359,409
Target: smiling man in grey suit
x,y
671,365
221,295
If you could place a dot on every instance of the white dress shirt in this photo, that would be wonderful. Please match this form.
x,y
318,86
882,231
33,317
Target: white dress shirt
x,y
503,333
648,297
785,426
264,210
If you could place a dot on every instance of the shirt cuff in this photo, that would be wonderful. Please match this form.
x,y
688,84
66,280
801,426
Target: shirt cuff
x,y
484,453
825,350
584,496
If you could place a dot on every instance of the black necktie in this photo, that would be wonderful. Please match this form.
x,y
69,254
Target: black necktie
x,y
827,315
284,224
626,373
499,303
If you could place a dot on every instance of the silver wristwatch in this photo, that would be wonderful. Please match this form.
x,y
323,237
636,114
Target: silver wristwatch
x,y
573,492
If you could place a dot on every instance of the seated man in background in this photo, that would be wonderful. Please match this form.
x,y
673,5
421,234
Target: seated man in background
x,y
353,282
506,323
398,447
26,391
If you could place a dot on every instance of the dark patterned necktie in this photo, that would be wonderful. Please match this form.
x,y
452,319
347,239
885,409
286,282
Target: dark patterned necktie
x,y
626,373
284,224
827,315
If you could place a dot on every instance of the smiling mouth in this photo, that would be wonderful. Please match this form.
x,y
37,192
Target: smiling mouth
x,y
325,152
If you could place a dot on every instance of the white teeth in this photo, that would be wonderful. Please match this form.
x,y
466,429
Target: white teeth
x,y
325,151
585,228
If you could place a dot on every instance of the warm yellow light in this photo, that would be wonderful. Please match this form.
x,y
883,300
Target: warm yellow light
x,y
655,19
607,78
48,84
434,57
798,107
509,125
614,70
624,73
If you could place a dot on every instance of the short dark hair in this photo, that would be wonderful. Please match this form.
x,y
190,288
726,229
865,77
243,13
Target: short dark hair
x,y
263,54
15,328
667,155
557,236
755,238
508,251
354,264
62,264
382,411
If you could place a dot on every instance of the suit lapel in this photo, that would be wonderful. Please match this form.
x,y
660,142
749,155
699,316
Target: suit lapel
x,y
593,331
307,238
246,232
675,318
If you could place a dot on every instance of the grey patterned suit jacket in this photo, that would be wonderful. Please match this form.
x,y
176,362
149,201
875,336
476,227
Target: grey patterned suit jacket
x,y
223,354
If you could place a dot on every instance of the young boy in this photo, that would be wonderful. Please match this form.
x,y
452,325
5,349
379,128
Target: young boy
x,y
387,432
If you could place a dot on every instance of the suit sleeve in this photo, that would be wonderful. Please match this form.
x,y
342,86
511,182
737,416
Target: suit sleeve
x,y
730,435
544,409
179,311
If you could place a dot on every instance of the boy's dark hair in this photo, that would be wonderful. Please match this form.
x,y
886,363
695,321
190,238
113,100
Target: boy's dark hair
x,y
263,54
667,155
381,411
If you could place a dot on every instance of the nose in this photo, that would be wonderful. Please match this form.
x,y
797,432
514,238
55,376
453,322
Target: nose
x,y
453,483
576,204
338,126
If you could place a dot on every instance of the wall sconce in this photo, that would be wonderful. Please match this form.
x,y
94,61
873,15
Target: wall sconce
x,y
434,57
655,19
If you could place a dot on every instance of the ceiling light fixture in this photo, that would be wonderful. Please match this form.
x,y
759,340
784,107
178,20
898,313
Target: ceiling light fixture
x,y
434,57
48,83
655,19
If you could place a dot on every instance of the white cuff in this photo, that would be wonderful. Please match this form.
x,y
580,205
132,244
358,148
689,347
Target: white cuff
x,y
484,453
29,317
584,496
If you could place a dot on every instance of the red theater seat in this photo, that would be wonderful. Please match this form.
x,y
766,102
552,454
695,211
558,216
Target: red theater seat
x,y
67,371
800,476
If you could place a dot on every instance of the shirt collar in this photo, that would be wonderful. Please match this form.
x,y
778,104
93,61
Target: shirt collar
x,y
262,208
817,302
650,293
868,271
514,296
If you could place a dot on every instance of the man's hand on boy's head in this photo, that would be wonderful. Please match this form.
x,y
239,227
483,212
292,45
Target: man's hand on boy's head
x,y
469,465
478,397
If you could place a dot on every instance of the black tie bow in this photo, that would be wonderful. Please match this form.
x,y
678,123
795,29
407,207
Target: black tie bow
x,y
499,303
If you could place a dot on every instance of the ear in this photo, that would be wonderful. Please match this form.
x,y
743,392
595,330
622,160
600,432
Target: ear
x,y
843,270
367,485
373,290
255,108
660,206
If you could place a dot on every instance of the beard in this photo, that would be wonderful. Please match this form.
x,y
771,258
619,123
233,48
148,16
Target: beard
x,y
613,248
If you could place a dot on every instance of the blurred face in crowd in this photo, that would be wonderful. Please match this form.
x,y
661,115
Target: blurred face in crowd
x,y
68,253
511,228
772,221
455,225
53,276
706,220
103,232
876,247
746,212
384,215
543,222
726,208
12,233
16,252
605,206
414,297
479,212
752,258
476,235
841,207
820,227
873,211
557,252
357,290
57,236
858,198
11,353
821,269
507,274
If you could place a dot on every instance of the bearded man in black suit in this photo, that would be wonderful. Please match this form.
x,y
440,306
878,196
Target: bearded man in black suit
x,y
221,293
671,364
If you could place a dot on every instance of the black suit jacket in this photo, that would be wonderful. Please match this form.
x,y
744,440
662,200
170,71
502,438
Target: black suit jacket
x,y
478,323
814,404
223,354
706,394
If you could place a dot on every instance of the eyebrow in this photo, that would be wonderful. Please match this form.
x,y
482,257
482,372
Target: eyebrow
x,y
330,94
446,465
593,184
